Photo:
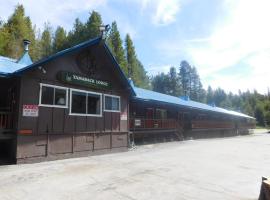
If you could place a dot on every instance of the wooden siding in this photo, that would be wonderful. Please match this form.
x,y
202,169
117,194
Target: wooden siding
x,y
55,131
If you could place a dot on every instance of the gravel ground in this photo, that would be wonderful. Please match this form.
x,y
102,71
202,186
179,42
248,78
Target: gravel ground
x,y
224,168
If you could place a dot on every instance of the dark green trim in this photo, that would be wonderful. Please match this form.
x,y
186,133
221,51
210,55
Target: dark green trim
x,y
77,79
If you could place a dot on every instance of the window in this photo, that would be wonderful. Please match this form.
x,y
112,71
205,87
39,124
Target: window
x,y
84,103
53,96
161,114
112,103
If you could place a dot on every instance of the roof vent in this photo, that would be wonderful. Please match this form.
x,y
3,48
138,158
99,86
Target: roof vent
x,y
185,98
26,44
212,104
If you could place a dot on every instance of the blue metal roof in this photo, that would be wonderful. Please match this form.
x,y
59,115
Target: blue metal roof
x,y
148,95
9,65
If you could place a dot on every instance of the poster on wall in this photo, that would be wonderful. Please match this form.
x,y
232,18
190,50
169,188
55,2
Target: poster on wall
x,y
30,110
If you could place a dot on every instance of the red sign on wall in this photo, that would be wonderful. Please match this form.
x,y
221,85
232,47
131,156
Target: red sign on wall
x,y
30,110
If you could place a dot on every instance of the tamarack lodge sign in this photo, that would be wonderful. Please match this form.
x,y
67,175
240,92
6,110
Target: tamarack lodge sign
x,y
71,78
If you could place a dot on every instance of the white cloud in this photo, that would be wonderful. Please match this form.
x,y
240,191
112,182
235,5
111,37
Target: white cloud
x,y
244,32
163,12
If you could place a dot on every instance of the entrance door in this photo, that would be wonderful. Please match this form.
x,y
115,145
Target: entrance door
x,y
149,123
186,121
180,118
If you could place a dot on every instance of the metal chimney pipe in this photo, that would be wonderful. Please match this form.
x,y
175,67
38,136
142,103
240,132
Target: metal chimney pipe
x,y
26,44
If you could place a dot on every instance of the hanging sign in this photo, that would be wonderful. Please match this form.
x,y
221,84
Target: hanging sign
x,y
30,110
71,78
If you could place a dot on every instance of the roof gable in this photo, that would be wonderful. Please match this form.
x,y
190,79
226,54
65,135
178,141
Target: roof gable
x,y
9,67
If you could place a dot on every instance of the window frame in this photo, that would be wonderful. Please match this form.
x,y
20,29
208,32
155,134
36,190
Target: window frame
x,y
87,92
115,96
54,87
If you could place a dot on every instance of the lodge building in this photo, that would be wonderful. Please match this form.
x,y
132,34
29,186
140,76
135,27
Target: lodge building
x,y
79,102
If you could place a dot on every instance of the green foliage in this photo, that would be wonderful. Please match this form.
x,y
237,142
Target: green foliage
x,y
135,68
190,82
17,28
46,41
167,83
60,39
116,46
77,34
92,25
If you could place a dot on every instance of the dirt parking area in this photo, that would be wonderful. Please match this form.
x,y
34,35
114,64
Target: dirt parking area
x,y
224,168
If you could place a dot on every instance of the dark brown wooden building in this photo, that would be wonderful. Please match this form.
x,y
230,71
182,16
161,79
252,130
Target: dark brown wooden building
x,y
79,102
159,117
72,103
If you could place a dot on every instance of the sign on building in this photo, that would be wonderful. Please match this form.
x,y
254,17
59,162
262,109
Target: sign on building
x,y
30,110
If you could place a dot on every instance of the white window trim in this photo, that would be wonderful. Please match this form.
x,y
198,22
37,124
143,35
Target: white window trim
x,y
52,86
115,96
87,92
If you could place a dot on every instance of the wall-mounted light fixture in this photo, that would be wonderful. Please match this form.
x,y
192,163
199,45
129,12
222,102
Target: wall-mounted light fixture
x,y
42,69
104,29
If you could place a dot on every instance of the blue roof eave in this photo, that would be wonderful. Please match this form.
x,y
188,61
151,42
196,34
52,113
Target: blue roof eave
x,y
177,101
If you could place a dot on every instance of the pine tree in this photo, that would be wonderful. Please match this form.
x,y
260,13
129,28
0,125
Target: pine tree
x,y
131,57
92,25
115,44
174,82
210,95
59,40
135,68
160,83
46,41
12,33
77,34
185,77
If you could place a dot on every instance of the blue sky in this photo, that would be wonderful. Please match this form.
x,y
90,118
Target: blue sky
x,y
227,40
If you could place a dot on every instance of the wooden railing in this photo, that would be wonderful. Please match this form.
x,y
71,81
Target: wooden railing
x,y
6,120
205,124
248,125
141,124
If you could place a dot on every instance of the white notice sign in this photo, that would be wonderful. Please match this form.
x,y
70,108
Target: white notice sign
x,y
30,110
124,117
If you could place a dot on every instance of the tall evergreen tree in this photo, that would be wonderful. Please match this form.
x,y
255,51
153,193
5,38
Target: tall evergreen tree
x,y
174,82
59,40
114,42
12,33
136,70
131,56
160,83
185,78
46,41
77,34
210,95
92,25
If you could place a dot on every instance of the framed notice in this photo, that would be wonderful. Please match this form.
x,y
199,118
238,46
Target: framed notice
x,y
30,110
